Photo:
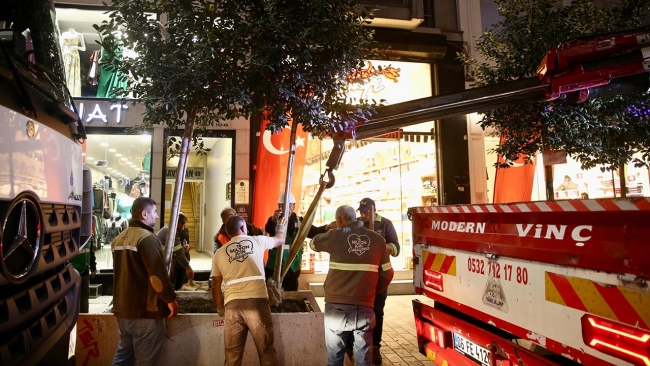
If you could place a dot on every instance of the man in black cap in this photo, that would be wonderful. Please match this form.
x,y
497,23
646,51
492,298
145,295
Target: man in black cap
x,y
385,228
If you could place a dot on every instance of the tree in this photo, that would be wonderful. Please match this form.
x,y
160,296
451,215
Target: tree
x,y
215,60
604,131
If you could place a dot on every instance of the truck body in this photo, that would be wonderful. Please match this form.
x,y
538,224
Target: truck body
x,y
42,221
534,283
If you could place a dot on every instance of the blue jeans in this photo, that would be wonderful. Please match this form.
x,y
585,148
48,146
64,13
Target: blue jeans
x,y
141,340
346,324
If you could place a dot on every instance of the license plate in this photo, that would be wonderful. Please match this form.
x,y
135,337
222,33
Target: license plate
x,y
471,350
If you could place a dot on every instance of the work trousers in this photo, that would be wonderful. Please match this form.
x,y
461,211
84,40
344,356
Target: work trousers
x,y
140,340
242,316
380,303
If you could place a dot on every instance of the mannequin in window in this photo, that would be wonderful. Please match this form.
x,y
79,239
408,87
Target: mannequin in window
x,y
71,43
111,80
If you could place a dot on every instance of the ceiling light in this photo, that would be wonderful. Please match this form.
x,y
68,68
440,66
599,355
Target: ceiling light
x,y
104,144
118,155
112,150
89,158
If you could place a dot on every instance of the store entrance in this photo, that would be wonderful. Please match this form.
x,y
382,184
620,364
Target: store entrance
x,y
191,204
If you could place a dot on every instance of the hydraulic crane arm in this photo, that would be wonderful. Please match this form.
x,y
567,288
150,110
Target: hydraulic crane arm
x,y
577,70
480,99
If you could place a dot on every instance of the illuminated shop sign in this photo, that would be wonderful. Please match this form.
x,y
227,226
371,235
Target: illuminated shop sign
x,y
105,113
190,173
102,112
392,81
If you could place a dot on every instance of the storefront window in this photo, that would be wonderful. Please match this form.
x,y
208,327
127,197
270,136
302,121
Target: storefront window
x,y
83,58
121,169
396,174
572,182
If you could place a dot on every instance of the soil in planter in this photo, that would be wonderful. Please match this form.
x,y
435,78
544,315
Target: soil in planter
x,y
198,305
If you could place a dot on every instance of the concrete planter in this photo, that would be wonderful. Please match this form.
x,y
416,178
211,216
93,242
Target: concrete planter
x,y
197,339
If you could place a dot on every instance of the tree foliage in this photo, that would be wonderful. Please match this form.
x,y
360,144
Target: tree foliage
x,y
215,60
605,131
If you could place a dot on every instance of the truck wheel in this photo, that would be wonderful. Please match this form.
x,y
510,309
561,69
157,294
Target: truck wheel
x,y
22,237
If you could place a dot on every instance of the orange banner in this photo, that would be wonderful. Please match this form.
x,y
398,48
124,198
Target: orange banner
x,y
271,171
514,184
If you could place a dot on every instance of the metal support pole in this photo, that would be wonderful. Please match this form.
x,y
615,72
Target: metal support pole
x,y
277,273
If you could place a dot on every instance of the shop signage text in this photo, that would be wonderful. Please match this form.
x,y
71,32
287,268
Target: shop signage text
x,y
102,112
190,173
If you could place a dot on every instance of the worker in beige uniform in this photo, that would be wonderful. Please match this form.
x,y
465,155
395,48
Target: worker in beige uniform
x,y
239,265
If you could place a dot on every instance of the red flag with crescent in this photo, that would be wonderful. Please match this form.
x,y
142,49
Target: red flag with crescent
x,y
271,171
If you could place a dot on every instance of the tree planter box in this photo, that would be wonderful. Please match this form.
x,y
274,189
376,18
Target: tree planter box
x,y
197,339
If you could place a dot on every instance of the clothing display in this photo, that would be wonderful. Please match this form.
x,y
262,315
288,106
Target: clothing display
x,y
123,205
110,80
71,43
114,227
93,73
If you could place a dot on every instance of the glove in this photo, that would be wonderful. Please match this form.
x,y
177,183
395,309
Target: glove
x,y
281,226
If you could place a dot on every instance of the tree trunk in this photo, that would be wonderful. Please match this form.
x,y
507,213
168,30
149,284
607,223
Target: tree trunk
x,y
622,176
548,180
178,190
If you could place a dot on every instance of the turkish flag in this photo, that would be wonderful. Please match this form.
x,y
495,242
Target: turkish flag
x,y
271,171
514,184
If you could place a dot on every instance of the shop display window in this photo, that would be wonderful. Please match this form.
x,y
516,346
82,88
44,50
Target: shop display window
x,y
396,174
570,181
120,166
83,58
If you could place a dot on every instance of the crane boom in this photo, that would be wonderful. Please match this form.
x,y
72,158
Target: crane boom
x,y
576,70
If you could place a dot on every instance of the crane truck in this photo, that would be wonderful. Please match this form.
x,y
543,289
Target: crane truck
x,y
45,214
535,283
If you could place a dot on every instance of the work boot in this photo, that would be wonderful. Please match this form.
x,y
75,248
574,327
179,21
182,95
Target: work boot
x,y
376,356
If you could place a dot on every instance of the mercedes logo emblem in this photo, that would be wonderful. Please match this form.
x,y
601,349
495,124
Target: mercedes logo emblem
x,y
22,235
30,129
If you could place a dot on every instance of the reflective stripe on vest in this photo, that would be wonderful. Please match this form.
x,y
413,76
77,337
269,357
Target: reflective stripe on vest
x,y
386,266
354,267
125,247
177,247
244,279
